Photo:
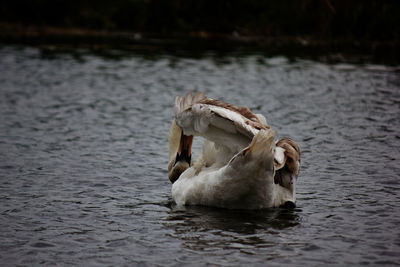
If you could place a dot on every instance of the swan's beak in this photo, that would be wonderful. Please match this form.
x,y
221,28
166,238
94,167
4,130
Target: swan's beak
x,y
183,158
185,149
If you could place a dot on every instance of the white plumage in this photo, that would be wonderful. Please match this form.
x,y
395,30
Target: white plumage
x,y
240,165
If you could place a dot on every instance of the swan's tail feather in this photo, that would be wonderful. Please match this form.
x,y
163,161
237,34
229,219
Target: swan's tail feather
x,y
260,151
262,144
184,103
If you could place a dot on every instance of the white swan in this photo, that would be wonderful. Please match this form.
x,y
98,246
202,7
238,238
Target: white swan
x,y
240,165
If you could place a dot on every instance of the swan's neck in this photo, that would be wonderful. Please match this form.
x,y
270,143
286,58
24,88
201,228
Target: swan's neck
x,y
180,152
174,140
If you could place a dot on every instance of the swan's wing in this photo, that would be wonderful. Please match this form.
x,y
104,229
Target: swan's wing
x,y
224,124
286,161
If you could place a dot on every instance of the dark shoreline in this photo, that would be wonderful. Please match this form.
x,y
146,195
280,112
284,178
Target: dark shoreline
x,y
197,43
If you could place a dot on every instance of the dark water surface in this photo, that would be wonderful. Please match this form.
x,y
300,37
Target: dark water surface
x,y
83,157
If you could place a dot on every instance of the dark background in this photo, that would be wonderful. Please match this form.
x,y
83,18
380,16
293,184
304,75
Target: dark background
x,y
365,19
366,26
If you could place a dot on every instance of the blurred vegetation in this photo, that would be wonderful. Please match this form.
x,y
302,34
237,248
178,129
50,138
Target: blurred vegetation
x,y
320,19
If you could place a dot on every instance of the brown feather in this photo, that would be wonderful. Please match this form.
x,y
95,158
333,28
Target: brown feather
x,y
253,120
292,153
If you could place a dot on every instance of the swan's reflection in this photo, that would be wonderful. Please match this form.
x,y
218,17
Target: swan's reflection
x,y
204,228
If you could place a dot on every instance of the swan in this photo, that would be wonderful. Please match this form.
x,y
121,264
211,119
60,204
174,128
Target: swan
x,y
241,166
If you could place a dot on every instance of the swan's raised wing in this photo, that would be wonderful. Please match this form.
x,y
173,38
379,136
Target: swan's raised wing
x,y
222,123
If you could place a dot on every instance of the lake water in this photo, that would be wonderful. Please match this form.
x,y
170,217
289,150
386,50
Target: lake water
x,y
83,159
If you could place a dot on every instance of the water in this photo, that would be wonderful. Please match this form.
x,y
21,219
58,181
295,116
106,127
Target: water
x,y
83,158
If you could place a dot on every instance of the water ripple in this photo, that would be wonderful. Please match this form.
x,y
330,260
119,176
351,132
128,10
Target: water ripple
x,y
83,155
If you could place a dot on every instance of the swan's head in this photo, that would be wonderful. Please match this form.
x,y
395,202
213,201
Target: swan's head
x,y
180,152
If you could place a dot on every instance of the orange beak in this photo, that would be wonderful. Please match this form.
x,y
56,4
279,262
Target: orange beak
x,y
185,149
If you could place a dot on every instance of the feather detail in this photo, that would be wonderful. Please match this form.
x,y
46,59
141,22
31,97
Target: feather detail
x,y
253,119
184,103
279,158
292,154
199,115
